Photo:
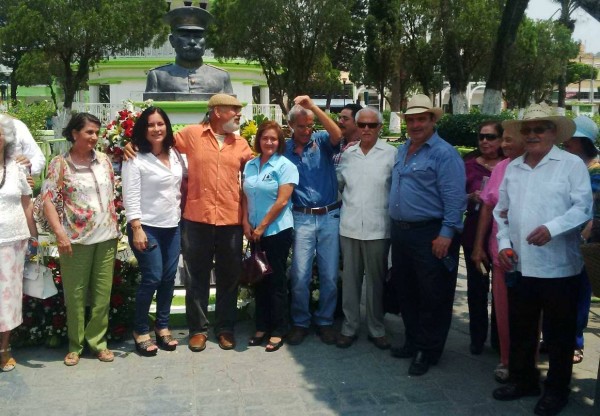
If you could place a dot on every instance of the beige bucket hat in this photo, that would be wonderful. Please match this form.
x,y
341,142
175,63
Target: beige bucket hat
x,y
565,127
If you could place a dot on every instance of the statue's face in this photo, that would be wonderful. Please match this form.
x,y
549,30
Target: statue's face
x,y
189,44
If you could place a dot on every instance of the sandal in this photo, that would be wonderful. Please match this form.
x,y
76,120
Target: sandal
x,y
10,363
144,347
106,356
71,359
165,341
578,356
274,346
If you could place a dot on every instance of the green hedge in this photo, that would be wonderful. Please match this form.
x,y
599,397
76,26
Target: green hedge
x,y
462,129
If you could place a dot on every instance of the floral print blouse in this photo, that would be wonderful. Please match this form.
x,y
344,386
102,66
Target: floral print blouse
x,y
89,198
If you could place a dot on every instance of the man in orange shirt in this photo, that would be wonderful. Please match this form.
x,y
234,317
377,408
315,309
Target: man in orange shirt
x,y
212,218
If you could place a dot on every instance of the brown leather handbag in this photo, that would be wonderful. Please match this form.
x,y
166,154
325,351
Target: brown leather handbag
x,y
255,265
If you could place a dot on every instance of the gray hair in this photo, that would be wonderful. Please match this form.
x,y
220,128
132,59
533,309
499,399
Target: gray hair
x,y
298,110
10,135
369,110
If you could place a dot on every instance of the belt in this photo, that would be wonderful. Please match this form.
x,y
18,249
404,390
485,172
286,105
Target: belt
x,y
320,210
405,225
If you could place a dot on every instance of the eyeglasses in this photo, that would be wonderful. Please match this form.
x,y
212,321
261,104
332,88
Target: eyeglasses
x,y
370,125
525,131
307,127
487,136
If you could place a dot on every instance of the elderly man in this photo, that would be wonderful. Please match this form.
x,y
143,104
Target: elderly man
x,y
427,201
350,133
548,197
212,218
189,74
27,151
364,176
316,219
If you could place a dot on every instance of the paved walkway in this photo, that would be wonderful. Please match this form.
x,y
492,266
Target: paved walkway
x,y
312,378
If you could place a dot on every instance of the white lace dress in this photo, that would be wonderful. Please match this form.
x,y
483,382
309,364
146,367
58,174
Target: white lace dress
x,y
13,244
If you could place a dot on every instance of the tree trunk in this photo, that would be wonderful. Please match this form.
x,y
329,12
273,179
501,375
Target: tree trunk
x,y
460,104
13,87
507,32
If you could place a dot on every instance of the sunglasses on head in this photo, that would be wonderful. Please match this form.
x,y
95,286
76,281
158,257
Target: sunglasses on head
x,y
487,136
362,125
537,130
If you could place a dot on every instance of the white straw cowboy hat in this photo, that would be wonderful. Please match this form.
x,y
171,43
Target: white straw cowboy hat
x,y
421,103
565,127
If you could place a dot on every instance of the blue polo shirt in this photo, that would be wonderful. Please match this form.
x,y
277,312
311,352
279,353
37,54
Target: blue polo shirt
x,y
430,184
261,187
318,184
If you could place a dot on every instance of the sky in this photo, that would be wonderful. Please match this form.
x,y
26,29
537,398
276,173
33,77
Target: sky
x,y
587,29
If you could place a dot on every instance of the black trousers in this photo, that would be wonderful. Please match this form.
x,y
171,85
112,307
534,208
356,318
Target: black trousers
x,y
556,298
478,285
426,287
203,243
272,313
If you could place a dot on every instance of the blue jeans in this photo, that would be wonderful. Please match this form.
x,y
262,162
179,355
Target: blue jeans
x,y
158,266
315,234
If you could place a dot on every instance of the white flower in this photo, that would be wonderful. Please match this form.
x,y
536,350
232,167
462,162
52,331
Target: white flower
x,y
315,295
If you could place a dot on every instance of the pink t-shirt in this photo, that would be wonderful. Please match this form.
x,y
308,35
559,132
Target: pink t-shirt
x,y
489,196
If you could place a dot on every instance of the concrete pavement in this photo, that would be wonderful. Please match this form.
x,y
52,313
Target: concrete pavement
x,y
311,378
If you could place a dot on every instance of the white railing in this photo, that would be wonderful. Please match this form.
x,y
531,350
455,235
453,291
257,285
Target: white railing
x,y
107,112
149,52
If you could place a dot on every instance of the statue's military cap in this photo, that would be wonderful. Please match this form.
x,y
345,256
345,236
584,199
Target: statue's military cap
x,y
188,18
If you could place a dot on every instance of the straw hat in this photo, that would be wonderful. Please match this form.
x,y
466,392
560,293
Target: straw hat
x,y
565,127
420,103
223,99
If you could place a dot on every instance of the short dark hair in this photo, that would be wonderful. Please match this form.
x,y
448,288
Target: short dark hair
x,y
78,122
270,125
588,148
495,124
355,108
140,128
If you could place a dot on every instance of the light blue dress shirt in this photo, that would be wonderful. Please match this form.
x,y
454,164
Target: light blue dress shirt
x,y
429,184
261,186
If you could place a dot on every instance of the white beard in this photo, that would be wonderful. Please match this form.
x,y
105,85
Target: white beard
x,y
231,126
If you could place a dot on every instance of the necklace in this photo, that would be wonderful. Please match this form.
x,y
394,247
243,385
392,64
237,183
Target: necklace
x,y
3,176
488,166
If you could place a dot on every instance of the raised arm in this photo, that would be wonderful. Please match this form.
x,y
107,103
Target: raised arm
x,y
335,134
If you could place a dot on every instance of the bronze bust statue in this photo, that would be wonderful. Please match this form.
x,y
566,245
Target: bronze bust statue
x,y
189,78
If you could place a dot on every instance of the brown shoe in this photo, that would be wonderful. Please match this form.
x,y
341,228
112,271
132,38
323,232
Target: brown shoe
x,y
327,334
345,341
226,341
380,342
297,335
197,342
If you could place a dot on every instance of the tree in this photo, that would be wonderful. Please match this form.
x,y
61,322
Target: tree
x,y
532,64
577,72
512,15
469,28
567,7
289,40
77,34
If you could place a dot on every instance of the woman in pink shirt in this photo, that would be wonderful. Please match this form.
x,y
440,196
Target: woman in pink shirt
x,y
513,146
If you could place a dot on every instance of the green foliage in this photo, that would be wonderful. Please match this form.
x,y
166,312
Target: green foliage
x,y
462,129
289,39
74,35
533,65
33,115
576,72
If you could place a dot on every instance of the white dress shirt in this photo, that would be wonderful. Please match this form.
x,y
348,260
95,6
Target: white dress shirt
x,y
364,182
557,194
152,191
26,146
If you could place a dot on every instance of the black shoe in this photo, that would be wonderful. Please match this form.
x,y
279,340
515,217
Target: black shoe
x,y
550,405
297,335
345,341
419,365
513,391
476,349
273,346
257,341
143,348
406,351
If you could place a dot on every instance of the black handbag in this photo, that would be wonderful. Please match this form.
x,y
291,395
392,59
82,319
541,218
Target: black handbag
x,y
255,265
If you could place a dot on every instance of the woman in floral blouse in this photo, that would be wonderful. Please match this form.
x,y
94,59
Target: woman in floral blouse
x,y
87,235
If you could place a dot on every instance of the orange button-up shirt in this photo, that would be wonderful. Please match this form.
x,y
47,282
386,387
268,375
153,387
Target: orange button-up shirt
x,y
214,175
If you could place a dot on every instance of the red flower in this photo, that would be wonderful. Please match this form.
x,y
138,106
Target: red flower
x,y
117,280
119,330
51,265
58,321
47,303
118,151
116,300
129,133
118,264
123,114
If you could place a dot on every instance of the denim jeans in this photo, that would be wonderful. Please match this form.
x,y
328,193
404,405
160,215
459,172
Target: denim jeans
x,y
158,265
315,234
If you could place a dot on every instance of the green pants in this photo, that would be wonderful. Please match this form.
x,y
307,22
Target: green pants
x,y
87,277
